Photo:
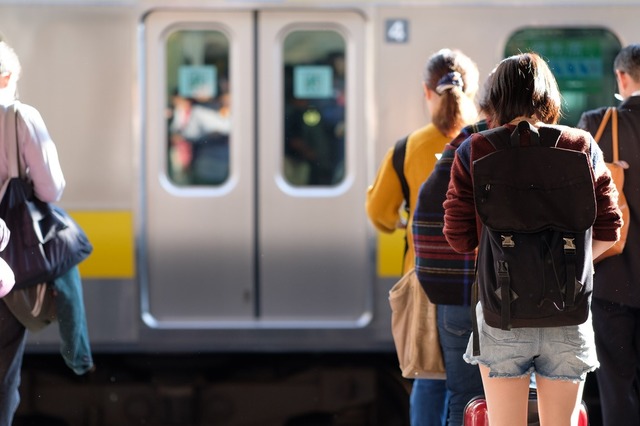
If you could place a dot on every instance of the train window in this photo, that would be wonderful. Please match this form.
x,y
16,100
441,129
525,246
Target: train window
x,y
314,108
199,123
581,60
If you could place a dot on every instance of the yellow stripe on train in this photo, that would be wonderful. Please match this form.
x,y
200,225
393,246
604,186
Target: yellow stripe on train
x,y
111,234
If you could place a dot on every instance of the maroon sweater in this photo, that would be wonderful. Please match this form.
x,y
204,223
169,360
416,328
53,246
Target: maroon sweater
x,y
462,226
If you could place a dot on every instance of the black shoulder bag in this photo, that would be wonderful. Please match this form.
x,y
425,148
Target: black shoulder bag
x,y
45,241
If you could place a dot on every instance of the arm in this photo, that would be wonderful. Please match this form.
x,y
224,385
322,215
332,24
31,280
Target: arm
x,y
606,228
384,197
39,155
598,247
460,227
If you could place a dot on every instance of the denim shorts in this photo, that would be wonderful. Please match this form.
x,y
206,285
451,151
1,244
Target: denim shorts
x,y
560,353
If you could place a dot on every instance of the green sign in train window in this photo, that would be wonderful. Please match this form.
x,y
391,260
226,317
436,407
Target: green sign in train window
x,y
199,108
581,60
314,107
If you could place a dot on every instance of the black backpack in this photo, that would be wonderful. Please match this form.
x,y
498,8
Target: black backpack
x,y
537,205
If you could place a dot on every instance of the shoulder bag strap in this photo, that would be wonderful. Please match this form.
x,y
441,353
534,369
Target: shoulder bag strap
x,y
603,124
11,145
11,141
614,134
613,113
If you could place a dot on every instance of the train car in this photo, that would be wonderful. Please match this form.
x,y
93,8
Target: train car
x,y
235,278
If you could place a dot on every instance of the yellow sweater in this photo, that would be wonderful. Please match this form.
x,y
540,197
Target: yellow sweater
x,y
384,196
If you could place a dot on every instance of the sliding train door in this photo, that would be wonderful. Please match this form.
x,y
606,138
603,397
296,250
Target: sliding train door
x,y
253,183
313,256
197,205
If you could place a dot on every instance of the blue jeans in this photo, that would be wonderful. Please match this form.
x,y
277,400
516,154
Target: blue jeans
x,y
428,402
463,380
75,346
12,341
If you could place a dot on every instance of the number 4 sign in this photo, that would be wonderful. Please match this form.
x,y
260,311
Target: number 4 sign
x,y
397,31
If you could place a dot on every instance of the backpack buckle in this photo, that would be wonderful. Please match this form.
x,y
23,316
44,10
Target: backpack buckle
x,y
507,241
503,268
569,245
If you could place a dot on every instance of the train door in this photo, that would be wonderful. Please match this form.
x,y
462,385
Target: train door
x,y
253,170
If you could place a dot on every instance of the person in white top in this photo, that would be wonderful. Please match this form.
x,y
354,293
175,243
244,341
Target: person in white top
x,y
39,159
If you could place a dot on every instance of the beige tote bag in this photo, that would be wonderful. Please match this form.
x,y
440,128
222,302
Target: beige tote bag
x,y
415,330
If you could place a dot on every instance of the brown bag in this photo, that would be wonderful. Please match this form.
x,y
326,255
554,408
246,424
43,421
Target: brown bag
x,y
415,330
617,169
34,306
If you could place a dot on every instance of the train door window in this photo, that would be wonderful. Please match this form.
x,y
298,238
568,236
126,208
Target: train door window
x,y
199,123
581,60
314,108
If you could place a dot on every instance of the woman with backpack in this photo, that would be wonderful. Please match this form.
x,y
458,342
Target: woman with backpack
x,y
524,99
449,84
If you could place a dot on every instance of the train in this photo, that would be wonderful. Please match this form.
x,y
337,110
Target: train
x,y
235,278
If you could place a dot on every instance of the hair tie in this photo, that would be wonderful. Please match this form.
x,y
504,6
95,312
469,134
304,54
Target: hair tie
x,y
449,81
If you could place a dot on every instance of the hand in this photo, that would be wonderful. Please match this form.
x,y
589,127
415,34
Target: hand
x,y
4,235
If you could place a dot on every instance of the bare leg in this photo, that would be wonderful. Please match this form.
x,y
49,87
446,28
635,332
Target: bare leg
x,y
507,399
558,401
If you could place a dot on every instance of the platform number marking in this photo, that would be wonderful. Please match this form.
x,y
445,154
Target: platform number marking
x,y
397,31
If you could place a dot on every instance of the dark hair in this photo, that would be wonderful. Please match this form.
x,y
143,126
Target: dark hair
x,y
523,86
628,61
453,76
483,97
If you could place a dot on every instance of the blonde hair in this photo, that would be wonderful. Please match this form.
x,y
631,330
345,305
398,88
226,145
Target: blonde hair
x,y
9,62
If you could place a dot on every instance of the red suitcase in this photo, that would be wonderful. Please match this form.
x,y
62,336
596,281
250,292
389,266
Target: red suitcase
x,y
475,413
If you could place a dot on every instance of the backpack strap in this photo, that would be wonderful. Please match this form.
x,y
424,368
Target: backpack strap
x,y
549,136
399,152
505,292
571,283
498,137
504,284
475,298
522,128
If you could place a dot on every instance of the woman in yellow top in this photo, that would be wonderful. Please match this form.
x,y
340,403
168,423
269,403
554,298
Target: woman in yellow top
x,y
450,82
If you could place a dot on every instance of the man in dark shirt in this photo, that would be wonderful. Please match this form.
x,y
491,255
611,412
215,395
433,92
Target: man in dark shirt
x,y
616,301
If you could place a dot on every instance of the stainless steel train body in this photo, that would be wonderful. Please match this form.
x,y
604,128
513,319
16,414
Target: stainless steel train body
x,y
263,258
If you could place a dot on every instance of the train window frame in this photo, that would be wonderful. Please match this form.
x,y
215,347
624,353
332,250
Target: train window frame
x,y
166,181
580,94
347,179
